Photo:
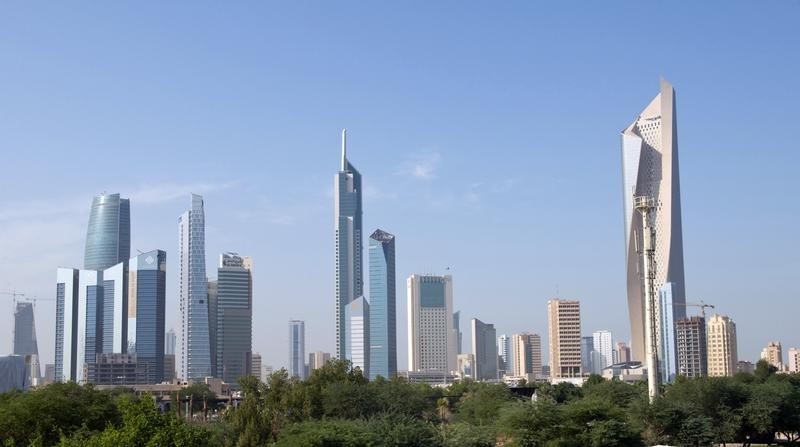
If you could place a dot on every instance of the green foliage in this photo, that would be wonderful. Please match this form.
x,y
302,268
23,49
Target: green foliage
x,y
480,403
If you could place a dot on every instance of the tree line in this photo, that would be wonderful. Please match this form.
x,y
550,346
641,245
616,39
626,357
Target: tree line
x,y
338,406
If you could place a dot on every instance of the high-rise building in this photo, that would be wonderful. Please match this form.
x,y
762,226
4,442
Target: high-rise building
x,y
357,343
564,326
773,354
194,362
348,228
457,330
603,348
67,283
721,344
212,288
527,355
587,354
691,343
650,168
666,340
484,347
147,295
233,336
25,339
465,365
170,341
297,349
382,306
255,366
108,237
506,354
318,359
431,336
623,352
793,360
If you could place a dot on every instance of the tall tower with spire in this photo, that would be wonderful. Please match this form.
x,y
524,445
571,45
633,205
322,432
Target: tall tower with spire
x,y
347,227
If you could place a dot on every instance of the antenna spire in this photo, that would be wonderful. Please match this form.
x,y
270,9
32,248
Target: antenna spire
x,y
344,150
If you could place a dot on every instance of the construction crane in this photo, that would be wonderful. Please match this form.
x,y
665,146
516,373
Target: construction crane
x,y
14,294
701,304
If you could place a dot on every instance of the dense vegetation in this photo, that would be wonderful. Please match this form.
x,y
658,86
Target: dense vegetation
x,y
338,406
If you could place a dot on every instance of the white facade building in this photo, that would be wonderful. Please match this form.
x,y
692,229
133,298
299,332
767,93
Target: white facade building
x,y
602,351
431,338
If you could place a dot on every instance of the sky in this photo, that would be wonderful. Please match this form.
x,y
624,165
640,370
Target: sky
x,y
487,135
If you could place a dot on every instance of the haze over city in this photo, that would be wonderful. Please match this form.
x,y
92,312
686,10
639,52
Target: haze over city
x,y
488,140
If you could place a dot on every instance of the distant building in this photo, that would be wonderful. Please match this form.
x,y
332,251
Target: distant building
x,y
743,366
318,359
432,340
484,348
382,306
108,236
297,349
603,348
432,378
793,360
49,373
506,354
457,331
169,368
234,322
24,342
255,367
666,337
12,374
564,325
692,350
721,345
623,352
773,354
212,292
587,354
465,366
119,370
170,342
526,351
357,343
625,371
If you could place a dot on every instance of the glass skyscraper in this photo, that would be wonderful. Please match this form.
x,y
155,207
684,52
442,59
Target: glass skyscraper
x,y
146,310
348,229
195,358
484,348
25,343
357,346
234,321
108,237
382,306
297,349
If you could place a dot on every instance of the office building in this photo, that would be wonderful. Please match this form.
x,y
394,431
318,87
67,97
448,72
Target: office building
x,y
233,336
527,354
691,344
484,348
623,352
318,359
743,366
564,328
357,341
77,293
348,229
793,360
170,342
587,354
108,236
457,330
12,374
721,344
465,366
255,365
431,336
382,306
24,341
506,354
602,351
117,369
650,168
666,340
297,349
194,362
773,354
212,288
147,293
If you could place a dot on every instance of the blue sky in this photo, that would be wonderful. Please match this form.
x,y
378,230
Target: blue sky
x,y
487,136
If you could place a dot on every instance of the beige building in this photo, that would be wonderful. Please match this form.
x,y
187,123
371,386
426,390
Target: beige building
x,y
526,350
793,360
773,354
432,340
623,352
317,360
564,329
721,345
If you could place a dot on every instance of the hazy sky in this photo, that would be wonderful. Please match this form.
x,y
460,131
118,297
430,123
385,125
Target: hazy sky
x,y
487,136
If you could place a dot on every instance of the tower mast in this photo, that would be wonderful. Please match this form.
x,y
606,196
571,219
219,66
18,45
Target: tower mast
x,y
645,205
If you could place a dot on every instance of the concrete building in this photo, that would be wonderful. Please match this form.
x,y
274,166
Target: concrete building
x,y
318,359
465,366
234,323
650,168
297,349
527,354
348,230
603,351
793,360
629,372
357,343
623,352
743,366
564,328
721,345
457,331
692,349
194,361
255,365
24,340
431,336
118,369
382,306
506,354
773,354
484,348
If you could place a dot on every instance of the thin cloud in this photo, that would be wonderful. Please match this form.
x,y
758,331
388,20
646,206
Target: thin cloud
x,y
421,166
153,194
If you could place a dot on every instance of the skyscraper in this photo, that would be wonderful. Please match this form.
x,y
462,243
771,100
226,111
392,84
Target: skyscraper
x,y
317,360
773,354
234,322
297,349
25,338
587,354
147,279
650,168
603,347
431,338
347,226
623,352
691,343
721,344
457,330
357,342
484,347
212,287
255,366
382,306
195,357
527,354
170,341
67,283
108,237
564,326
506,353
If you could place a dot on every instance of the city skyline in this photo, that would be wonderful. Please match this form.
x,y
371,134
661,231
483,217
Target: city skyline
x,y
425,178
